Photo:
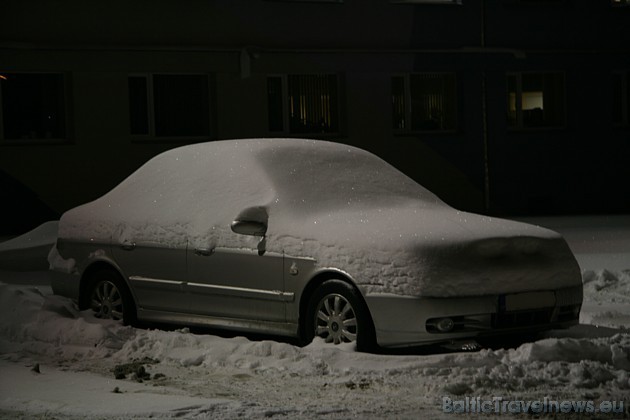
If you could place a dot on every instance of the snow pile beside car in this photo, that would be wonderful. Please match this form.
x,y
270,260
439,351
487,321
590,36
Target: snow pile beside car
x,y
239,377
609,293
48,324
28,251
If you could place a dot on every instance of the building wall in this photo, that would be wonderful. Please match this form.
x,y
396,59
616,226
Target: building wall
x,y
482,165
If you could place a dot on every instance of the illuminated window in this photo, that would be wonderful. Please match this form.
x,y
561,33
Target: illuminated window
x,y
303,104
169,105
536,100
424,102
621,98
33,106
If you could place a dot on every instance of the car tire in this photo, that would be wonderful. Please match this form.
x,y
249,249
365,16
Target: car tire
x,y
337,313
109,297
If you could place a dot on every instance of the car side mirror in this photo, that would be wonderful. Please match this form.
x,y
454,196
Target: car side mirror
x,y
251,221
249,227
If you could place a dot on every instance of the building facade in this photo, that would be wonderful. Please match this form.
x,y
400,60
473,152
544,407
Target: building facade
x,y
507,107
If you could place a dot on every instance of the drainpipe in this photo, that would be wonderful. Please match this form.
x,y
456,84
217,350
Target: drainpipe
x,y
484,115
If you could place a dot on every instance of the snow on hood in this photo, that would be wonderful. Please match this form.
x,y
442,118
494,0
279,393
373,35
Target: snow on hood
x,y
341,205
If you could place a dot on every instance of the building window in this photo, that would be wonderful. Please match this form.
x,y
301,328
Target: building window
x,y
33,106
169,105
621,98
303,104
424,102
536,100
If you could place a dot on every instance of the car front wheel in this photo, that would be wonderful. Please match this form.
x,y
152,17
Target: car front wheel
x,y
337,314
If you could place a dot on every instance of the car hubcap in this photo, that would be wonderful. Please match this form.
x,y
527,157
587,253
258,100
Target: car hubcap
x,y
107,301
335,320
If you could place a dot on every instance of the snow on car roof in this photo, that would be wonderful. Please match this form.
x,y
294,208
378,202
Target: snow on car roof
x,y
206,184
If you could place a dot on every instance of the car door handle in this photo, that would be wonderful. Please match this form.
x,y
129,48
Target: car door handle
x,y
128,246
204,252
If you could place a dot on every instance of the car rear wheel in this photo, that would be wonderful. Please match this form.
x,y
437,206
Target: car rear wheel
x,y
109,298
337,313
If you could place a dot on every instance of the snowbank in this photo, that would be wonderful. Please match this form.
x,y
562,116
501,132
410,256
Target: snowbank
x,y
609,293
43,235
28,252
237,377
600,241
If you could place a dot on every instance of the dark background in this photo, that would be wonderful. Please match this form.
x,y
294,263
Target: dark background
x,y
73,71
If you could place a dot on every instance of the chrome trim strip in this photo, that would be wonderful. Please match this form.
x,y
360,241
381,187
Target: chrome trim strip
x,y
151,280
246,292
275,295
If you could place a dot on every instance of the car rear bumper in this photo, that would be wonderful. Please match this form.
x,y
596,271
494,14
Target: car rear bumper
x,y
402,321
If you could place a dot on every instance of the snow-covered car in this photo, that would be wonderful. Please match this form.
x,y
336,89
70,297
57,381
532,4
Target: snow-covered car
x,y
307,238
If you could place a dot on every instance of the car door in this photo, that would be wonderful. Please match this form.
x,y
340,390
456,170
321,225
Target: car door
x,y
156,272
236,283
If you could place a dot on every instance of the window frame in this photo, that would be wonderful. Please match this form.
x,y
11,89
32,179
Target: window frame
x,y
151,135
519,126
286,117
407,101
67,91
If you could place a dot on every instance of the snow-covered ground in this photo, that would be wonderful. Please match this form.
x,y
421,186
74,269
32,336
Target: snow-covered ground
x,y
58,363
